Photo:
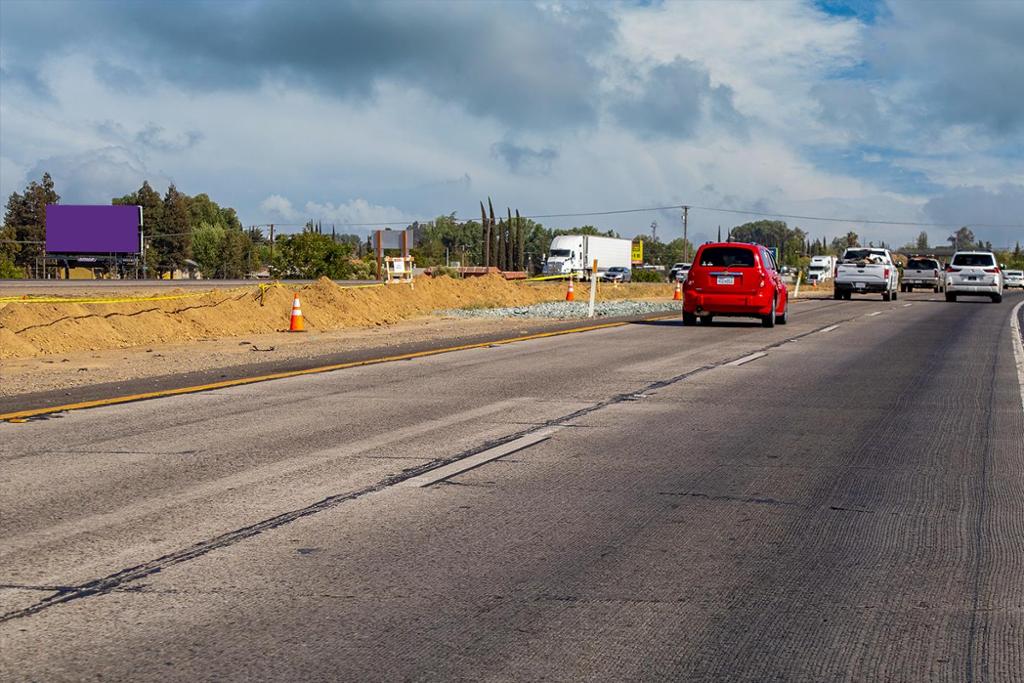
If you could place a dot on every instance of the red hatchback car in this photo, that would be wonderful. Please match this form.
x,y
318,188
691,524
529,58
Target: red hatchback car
x,y
735,279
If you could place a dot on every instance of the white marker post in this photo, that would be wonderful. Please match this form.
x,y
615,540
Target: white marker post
x,y
593,290
796,293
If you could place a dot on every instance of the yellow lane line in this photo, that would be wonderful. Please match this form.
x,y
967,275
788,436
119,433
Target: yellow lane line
x,y
22,415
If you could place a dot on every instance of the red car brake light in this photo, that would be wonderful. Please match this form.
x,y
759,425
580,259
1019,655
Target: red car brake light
x,y
992,270
951,269
887,271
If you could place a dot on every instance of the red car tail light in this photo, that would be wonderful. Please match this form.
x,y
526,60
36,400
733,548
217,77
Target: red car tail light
x,y
951,269
992,270
936,272
886,271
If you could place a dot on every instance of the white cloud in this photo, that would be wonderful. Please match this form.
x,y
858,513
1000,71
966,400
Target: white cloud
x,y
355,215
96,176
277,207
283,150
770,54
357,211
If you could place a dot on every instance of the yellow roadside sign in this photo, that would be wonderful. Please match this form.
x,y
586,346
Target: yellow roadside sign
x,y
638,252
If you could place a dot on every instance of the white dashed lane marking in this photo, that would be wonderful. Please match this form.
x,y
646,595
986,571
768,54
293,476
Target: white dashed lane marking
x,y
746,359
465,464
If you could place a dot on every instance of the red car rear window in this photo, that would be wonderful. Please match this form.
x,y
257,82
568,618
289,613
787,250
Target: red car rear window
x,y
727,257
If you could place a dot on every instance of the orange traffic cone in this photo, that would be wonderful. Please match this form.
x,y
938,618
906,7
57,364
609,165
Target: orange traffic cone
x,y
678,295
296,324
571,294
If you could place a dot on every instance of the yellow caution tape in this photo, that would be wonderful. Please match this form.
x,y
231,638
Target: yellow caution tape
x,y
27,299
263,287
547,277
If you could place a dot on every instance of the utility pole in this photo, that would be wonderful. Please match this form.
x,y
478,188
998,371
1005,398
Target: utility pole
x,y
686,234
719,233
271,240
654,231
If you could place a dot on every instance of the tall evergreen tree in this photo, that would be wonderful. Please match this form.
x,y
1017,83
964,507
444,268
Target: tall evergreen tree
x,y
174,241
521,243
494,236
510,241
485,228
26,214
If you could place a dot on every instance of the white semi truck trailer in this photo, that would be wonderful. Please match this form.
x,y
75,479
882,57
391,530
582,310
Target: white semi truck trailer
x,y
576,253
820,269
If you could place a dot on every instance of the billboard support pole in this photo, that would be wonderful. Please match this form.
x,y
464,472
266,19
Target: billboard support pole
x,y
142,243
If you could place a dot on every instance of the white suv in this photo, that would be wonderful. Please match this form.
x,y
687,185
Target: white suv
x,y
974,273
678,272
1013,278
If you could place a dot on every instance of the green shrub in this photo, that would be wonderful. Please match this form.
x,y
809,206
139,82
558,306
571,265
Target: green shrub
x,y
439,271
8,270
641,275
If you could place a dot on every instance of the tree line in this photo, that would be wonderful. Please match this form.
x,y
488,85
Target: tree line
x,y
194,232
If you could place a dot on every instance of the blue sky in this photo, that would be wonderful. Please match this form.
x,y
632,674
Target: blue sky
x,y
866,11
363,112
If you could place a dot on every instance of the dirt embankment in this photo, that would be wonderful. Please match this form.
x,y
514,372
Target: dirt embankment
x,y
30,330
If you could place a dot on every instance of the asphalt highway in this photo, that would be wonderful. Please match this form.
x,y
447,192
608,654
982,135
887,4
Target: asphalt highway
x,y
840,498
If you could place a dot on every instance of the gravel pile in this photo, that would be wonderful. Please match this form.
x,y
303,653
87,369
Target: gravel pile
x,y
568,309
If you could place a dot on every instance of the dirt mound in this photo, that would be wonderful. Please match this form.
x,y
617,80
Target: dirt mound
x,y
38,329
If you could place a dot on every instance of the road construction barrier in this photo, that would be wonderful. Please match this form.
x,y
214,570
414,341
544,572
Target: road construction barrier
x,y
296,323
398,269
678,294
570,295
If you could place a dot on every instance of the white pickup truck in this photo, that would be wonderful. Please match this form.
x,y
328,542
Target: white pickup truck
x,y
866,269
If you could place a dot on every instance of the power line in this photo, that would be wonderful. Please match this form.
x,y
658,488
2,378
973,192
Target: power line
x,y
678,207
859,220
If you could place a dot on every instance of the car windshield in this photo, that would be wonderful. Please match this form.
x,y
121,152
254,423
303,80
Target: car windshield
x,y
616,269
922,264
560,252
983,260
861,254
727,257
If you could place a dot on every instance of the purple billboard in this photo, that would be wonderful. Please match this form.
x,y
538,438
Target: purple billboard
x,y
74,229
